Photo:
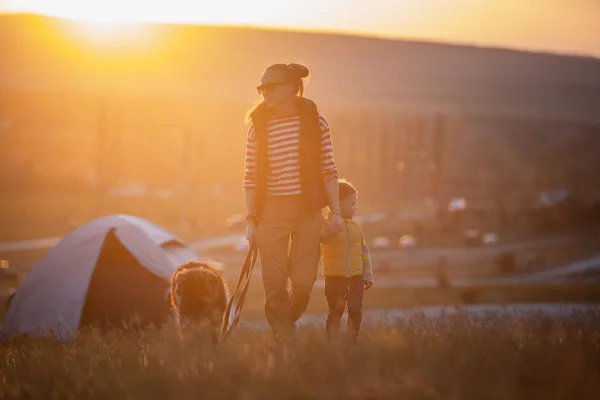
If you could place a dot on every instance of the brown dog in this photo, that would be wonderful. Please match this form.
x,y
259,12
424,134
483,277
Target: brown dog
x,y
198,295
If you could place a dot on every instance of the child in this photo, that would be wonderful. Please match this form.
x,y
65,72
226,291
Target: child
x,y
346,267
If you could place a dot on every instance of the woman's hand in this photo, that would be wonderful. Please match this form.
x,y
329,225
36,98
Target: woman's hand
x,y
368,284
336,224
250,231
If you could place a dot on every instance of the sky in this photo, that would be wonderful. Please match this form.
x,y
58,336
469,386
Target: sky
x,y
563,26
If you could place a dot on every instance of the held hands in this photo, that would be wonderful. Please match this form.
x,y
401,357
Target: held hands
x,y
336,224
333,228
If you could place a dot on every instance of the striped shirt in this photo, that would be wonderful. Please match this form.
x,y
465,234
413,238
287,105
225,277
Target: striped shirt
x,y
283,154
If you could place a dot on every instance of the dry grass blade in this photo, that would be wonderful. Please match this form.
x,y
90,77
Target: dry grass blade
x,y
455,357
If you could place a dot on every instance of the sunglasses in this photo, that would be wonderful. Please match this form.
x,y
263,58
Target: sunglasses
x,y
269,87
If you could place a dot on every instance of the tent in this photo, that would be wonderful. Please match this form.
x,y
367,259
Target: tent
x,y
102,273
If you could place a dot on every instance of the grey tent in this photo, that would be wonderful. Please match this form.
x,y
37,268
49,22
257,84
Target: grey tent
x,y
103,273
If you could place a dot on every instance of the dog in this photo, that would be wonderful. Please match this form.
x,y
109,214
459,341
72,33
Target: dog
x,y
198,295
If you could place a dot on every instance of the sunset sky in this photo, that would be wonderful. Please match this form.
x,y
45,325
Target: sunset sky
x,y
567,26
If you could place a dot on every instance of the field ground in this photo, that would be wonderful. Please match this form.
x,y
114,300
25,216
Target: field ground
x,y
461,358
34,214
202,212
392,296
462,261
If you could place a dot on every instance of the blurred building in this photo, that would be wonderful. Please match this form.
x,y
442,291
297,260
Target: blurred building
x,y
410,121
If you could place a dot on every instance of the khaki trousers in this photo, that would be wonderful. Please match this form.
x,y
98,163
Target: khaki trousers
x,y
288,240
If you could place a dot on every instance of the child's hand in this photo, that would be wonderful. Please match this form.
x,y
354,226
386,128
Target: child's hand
x,y
327,233
336,225
368,284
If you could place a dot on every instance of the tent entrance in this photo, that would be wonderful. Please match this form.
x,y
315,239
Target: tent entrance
x,y
120,287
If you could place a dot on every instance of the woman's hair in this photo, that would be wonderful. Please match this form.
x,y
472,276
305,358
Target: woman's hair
x,y
294,73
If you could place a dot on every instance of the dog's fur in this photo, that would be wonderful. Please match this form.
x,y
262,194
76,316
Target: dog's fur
x,y
198,294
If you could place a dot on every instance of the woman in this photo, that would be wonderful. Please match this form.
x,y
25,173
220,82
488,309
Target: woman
x,y
290,177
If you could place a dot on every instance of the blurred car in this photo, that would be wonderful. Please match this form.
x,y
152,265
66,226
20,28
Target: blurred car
x,y
407,242
490,238
381,242
457,204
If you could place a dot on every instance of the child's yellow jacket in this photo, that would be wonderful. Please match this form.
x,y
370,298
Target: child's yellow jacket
x,y
347,254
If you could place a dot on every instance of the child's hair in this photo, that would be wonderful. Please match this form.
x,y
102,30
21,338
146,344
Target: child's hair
x,y
346,189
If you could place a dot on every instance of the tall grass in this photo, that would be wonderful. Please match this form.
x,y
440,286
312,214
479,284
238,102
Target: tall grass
x,y
456,357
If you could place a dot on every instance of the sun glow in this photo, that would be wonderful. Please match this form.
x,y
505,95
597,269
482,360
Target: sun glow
x,y
119,22
106,12
178,11
106,29
98,23
531,24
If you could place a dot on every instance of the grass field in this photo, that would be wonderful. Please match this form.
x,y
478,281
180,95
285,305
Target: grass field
x,y
529,357
38,213
405,297
34,214
399,297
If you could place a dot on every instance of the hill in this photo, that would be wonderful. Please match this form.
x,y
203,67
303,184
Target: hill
x,y
49,54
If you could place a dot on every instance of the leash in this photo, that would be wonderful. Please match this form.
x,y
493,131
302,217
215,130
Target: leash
x,y
233,311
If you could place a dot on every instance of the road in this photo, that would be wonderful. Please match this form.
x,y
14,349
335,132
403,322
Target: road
x,y
581,271
198,245
412,258
555,311
464,255
398,258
